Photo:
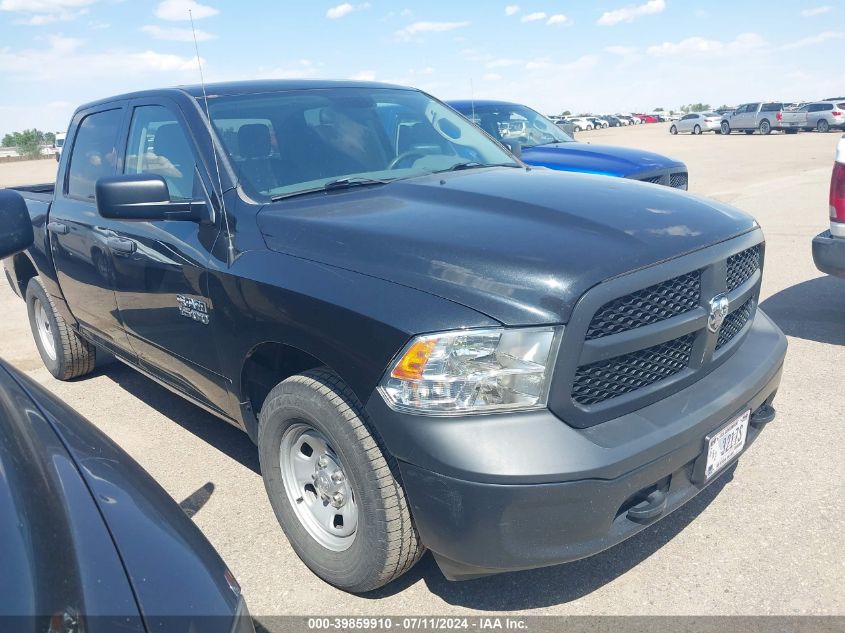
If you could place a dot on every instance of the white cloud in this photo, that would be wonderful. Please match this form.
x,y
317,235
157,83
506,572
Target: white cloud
x,y
808,13
534,17
65,60
177,10
511,9
492,77
622,51
583,63
629,14
504,62
344,9
175,34
558,18
702,46
364,75
417,28
46,11
826,36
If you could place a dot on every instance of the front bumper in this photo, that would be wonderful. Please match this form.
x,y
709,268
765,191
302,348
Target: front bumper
x,y
501,493
829,254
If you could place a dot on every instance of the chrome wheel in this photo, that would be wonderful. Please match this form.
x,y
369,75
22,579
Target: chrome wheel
x,y
45,330
317,487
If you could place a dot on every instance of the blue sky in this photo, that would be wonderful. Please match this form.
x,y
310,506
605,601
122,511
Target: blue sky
x,y
610,55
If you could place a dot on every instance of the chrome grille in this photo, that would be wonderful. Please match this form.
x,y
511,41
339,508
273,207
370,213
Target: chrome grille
x,y
650,305
734,323
609,379
741,266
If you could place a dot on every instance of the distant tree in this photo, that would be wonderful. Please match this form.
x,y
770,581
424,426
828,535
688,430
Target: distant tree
x,y
724,107
49,138
658,109
29,143
9,140
566,113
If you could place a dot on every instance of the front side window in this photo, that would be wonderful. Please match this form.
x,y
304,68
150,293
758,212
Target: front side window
x,y
158,145
94,153
288,142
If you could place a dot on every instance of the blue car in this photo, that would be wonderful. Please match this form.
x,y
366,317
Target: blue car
x,y
544,144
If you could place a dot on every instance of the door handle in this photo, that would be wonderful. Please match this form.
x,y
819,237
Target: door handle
x,y
59,228
120,245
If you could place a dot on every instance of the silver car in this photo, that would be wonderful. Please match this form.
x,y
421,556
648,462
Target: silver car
x,y
824,115
697,123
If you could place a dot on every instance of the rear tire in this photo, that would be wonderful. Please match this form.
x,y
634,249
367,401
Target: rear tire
x,y
696,130
823,126
65,354
673,130
316,418
765,127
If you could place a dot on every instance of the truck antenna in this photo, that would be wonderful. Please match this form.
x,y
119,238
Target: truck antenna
x,y
230,257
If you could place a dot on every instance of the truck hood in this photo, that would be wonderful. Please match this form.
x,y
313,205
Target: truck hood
x,y
609,160
519,246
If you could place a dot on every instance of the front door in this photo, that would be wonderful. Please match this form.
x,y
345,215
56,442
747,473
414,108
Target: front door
x,y
161,278
79,236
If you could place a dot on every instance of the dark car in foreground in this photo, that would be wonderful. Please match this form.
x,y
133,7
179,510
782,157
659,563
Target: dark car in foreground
x,y
432,344
543,144
829,247
88,541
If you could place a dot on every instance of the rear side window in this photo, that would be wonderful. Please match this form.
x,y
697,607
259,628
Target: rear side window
x,y
826,107
158,145
771,107
94,153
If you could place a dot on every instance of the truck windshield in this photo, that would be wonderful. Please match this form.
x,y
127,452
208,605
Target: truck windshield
x,y
511,122
289,142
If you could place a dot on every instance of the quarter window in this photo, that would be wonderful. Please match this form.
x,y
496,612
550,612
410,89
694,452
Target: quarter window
x,y
94,154
158,145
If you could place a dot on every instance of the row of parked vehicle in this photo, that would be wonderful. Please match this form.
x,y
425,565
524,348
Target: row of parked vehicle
x,y
766,117
589,122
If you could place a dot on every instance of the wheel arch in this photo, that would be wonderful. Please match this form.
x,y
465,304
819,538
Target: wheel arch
x,y
22,270
265,365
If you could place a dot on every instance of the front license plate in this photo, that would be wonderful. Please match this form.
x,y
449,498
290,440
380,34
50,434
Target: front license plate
x,y
726,444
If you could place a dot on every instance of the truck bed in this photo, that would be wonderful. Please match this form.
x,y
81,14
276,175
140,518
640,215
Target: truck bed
x,y
42,192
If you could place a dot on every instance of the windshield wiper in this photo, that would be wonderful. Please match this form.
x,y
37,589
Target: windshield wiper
x,y
474,165
333,185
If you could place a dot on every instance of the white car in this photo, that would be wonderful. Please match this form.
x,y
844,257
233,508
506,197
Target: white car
x,y
697,123
581,123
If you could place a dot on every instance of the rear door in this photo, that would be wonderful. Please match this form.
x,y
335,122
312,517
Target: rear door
x,y
161,267
78,235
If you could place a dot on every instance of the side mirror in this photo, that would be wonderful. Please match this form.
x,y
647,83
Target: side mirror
x,y
15,224
143,197
515,147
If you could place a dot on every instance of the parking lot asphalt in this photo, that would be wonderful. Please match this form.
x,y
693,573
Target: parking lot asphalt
x,y
766,540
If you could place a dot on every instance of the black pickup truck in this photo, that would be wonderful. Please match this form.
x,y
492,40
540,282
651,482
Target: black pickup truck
x,y
432,344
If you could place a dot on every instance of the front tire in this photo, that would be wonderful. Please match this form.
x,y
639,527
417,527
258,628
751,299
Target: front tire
x,y
65,354
335,490
673,130
726,128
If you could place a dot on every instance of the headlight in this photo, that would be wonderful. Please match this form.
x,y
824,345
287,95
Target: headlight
x,y
473,371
